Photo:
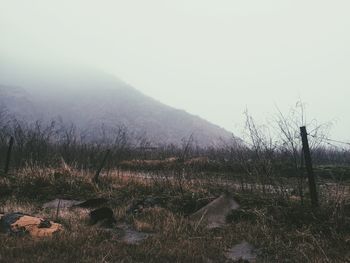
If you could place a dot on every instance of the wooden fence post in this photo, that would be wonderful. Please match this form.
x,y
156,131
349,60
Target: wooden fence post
x,y
8,156
96,177
309,169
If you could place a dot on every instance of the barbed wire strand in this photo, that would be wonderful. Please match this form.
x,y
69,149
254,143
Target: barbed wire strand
x,y
329,140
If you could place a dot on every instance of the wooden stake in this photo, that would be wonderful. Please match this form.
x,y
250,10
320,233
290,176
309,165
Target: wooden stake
x,y
309,169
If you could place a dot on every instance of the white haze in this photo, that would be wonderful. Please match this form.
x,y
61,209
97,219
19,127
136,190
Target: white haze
x,y
211,58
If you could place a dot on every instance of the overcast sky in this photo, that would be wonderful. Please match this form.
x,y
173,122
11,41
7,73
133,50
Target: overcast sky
x,y
212,58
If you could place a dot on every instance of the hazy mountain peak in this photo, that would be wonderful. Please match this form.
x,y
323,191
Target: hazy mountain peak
x,y
91,98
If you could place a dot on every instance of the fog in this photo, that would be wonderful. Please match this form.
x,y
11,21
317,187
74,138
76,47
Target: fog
x,y
212,58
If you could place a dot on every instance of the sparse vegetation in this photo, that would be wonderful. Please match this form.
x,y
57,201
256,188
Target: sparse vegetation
x,y
281,228
155,191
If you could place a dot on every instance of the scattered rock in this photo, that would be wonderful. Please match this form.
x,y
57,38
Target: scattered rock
x,y
214,214
243,251
103,217
61,203
21,224
124,232
130,236
64,203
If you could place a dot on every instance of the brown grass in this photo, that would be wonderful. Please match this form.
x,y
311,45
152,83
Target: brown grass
x,y
282,230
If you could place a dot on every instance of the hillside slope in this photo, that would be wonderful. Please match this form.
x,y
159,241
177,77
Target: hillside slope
x,y
89,99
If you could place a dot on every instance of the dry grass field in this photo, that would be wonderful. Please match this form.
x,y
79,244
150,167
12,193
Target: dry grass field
x,y
281,229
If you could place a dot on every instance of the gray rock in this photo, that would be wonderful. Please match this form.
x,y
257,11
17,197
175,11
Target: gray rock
x,y
131,236
64,203
61,203
242,251
214,214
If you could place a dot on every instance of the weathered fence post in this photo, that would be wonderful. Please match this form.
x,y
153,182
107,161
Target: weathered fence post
x,y
8,156
309,169
101,166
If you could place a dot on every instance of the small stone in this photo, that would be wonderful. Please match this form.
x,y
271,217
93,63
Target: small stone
x,y
243,251
131,236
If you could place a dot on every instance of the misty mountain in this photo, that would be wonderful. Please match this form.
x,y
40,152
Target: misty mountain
x,y
89,99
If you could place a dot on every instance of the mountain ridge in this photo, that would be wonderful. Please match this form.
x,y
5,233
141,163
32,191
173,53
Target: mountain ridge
x,y
91,99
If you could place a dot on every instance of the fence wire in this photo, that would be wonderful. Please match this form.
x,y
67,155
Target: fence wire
x,y
329,140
